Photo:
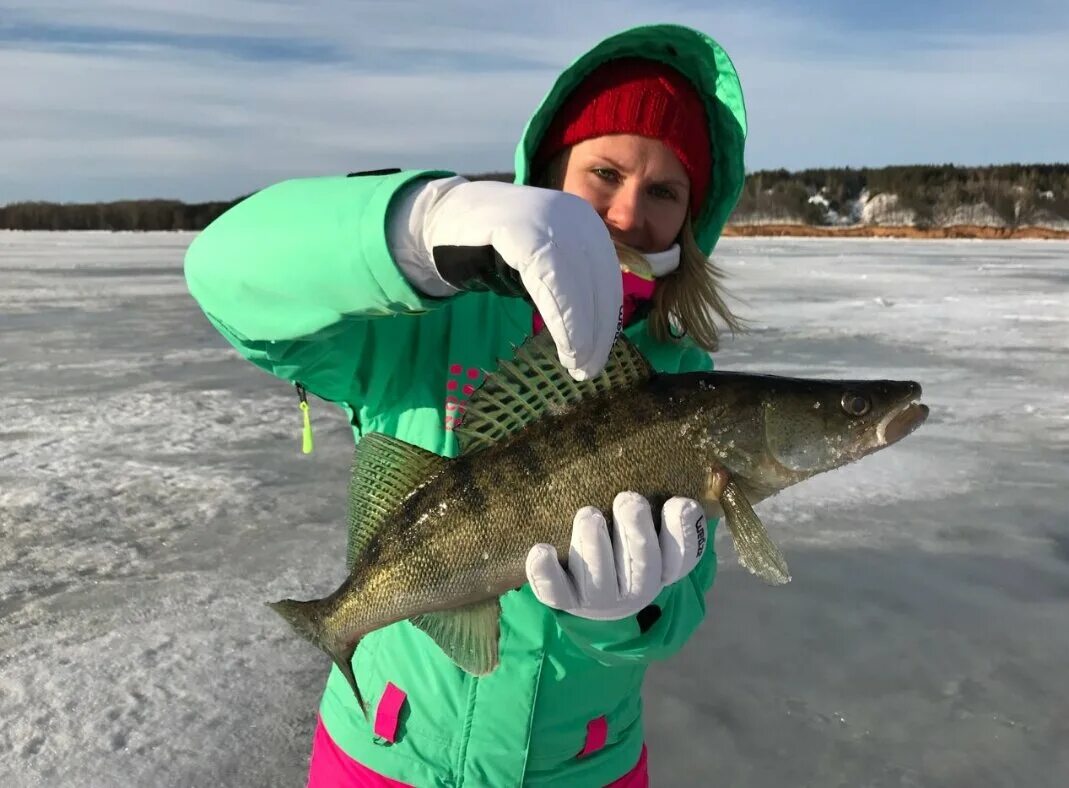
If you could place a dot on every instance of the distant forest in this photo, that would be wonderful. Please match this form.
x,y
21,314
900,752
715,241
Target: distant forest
x,y
115,216
1013,195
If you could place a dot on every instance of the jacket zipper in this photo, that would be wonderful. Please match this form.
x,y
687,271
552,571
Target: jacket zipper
x,y
307,444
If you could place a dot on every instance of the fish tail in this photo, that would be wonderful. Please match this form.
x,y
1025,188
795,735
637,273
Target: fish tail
x,y
306,618
344,661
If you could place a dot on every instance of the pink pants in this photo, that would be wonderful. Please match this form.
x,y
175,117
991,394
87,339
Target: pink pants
x,y
330,767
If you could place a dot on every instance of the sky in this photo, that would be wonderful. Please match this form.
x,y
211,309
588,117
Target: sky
x,y
114,99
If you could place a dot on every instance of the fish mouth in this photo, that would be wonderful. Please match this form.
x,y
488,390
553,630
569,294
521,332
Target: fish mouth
x,y
901,421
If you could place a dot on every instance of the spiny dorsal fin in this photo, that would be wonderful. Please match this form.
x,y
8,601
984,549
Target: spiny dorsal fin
x,y
533,383
385,471
468,635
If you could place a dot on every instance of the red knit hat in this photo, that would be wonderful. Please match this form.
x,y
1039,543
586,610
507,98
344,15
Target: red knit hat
x,y
637,96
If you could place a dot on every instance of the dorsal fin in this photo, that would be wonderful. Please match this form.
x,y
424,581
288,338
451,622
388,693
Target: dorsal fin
x,y
385,471
533,383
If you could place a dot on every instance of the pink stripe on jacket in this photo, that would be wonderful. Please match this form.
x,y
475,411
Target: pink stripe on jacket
x,y
330,767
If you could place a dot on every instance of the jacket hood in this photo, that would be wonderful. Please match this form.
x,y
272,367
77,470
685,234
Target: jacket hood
x,y
708,67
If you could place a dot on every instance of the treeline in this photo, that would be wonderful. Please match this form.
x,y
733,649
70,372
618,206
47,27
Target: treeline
x,y
115,216
1012,195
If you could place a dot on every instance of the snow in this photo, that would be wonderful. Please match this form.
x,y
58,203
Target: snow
x,y
978,214
153,496
884,209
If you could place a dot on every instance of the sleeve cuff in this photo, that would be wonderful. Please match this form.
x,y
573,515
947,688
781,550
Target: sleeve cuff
x,y
395,290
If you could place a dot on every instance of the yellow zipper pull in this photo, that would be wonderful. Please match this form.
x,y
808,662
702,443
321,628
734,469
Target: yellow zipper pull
x,y
306,435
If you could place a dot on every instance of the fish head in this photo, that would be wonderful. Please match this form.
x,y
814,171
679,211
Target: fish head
x,y
812,426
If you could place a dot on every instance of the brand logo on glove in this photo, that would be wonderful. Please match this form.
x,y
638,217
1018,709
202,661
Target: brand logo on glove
x,y
700,528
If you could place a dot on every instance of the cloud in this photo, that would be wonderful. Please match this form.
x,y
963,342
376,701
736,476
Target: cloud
x,y
208,100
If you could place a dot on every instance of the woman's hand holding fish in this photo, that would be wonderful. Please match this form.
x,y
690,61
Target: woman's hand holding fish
x,y
451,235
613,575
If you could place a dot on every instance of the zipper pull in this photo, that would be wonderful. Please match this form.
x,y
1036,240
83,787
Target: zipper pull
x,y
306,433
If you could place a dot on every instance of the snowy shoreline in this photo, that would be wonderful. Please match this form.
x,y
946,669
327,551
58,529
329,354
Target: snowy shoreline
x,y
903,232
761,230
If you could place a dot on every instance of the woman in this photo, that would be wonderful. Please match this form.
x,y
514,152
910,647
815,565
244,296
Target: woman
x,y
387,293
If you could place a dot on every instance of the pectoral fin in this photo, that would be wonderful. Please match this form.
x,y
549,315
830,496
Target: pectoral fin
x,y
468,635
754,547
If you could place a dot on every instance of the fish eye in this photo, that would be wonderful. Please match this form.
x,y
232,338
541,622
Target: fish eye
x,y
856,404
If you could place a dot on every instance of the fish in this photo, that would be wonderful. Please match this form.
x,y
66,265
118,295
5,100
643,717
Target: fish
x,y
438,541
634,262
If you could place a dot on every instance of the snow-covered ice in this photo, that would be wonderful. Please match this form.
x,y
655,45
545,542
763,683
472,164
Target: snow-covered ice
x,y
153,495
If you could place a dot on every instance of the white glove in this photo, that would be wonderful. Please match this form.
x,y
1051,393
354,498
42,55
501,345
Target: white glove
x,y
613,577
450,235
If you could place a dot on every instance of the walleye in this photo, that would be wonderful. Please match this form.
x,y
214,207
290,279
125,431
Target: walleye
x,y
437,541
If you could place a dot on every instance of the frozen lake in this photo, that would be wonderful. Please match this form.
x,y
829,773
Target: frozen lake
x,y
153,496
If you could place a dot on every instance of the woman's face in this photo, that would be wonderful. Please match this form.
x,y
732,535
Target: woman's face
x,y
636,184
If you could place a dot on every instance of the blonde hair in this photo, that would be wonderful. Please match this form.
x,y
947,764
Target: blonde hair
x,y
687,301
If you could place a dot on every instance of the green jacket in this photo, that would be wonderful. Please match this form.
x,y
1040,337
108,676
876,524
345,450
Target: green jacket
x,y
299,279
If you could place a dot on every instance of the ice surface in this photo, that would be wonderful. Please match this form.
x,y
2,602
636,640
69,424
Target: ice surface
x,y
153,495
